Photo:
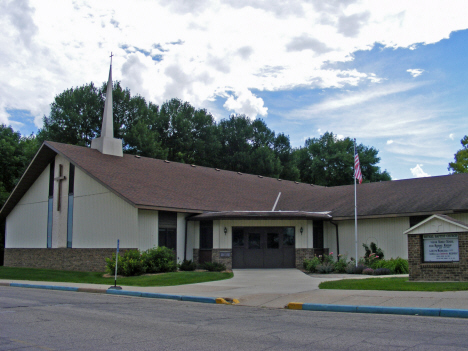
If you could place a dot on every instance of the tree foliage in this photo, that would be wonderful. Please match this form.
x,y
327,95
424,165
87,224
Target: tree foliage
x,y
461,158
178,131
15,153
329,161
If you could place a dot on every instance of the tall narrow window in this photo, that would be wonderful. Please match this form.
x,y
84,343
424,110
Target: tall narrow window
x,y
318,235
71,190
206,234
50,206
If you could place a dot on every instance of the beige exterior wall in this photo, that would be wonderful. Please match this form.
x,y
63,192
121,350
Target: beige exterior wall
x,y
26,225
181,236
100,217
191,238
460,217
387,233
147,229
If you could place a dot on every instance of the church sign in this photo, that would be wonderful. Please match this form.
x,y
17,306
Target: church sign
x,y
441,248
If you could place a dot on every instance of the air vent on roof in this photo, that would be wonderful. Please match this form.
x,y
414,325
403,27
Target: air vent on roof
x,y
279,179
167,161
239,173
193,165
137,156
296,182
217,169
260,176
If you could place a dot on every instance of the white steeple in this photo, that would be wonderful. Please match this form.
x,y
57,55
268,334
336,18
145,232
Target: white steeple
x,y
106,143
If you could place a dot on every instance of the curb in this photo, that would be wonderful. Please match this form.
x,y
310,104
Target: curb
x,y
432,312
201,299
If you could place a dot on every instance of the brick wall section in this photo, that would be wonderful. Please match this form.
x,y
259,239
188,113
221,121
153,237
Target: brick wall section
x,y
86,260
227,261
420,271
307,254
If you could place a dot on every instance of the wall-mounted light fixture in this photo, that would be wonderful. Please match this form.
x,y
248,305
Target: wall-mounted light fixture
x,y
225,230
301,230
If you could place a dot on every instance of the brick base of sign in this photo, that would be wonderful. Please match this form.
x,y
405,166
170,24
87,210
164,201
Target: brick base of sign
x,y
85,260
307,254
427,271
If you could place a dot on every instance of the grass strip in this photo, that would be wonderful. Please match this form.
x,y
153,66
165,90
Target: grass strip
x,y
393,284
164,279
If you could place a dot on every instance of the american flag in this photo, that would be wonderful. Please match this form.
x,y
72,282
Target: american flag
x,y
357,168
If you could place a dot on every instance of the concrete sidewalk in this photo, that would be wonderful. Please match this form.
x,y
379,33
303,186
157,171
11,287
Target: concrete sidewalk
x,y
276,288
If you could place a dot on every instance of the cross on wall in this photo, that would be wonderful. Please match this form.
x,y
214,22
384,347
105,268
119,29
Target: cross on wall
x,y
59,179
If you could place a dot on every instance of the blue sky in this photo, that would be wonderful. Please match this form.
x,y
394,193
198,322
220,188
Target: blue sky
x,y
391,74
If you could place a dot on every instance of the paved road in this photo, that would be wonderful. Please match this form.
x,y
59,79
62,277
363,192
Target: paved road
x,y
33,319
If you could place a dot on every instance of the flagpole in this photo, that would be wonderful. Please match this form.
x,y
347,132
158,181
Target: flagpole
x,y
355,205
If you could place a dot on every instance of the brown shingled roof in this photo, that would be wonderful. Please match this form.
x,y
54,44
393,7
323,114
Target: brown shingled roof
x,y
151,183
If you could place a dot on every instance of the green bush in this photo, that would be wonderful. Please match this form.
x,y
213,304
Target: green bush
x,y
372,255
158,260
213,266
325,268
129,264
340,265
310,265
400,265
187,265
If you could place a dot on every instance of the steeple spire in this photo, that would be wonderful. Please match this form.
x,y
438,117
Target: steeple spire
x,y
106,143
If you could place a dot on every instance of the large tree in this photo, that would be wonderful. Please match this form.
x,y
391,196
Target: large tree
x,y
329,161
461,158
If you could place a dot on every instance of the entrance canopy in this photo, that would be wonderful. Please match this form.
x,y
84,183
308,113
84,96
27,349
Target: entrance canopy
x,y
208,216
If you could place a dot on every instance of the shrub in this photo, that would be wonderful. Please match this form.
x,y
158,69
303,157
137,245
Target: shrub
x,y
382,271
399,265
129,264
352,269
373,254
324,268
328,258
159,260
213,266
187,265
368,271
310,265
341,264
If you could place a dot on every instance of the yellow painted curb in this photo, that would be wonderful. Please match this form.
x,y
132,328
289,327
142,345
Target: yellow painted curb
x,y
227,301
294,306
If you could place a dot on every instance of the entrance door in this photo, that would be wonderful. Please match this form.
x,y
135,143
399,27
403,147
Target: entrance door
x,y
263,247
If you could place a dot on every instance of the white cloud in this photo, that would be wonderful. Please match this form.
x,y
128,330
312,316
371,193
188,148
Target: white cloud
x,y
452,136
245,102
418,172
416,72
389,142
201,50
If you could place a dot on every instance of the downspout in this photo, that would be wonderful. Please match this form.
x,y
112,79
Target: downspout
x,y
186,225
337,239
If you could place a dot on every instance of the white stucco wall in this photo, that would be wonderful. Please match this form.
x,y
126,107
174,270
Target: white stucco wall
x,y
387,233
26,225
100,217
147,229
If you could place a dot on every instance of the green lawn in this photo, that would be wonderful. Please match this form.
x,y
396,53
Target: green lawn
x,y
392,284
165,279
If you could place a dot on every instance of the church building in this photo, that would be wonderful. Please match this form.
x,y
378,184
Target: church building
x,y
73,203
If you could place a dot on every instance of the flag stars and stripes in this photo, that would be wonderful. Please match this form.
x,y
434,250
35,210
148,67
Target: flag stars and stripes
x,y
357,168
